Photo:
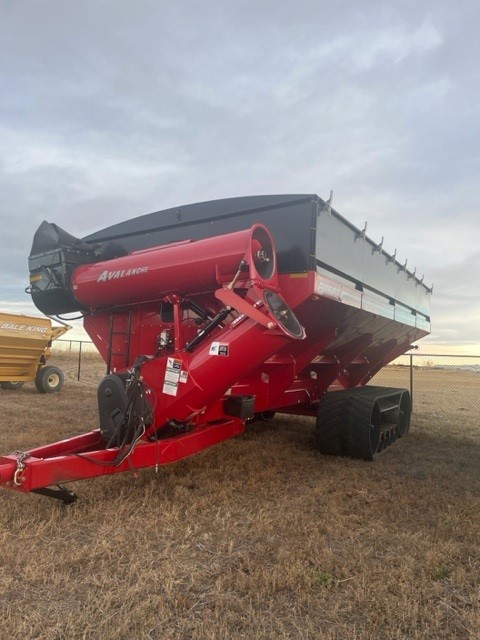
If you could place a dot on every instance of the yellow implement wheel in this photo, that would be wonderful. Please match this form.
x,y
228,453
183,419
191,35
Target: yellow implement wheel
x,y
49,379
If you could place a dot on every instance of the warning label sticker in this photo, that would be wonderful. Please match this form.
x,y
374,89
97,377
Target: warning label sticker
x,y
172,376
218,349
183,376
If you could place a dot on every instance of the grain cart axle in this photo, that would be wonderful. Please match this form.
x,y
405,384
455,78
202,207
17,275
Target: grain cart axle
x,y
215,314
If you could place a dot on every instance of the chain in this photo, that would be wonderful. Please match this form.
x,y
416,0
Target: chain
x,y
17,476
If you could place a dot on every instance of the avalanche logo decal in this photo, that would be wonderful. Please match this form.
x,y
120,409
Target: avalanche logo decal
x,y
113,275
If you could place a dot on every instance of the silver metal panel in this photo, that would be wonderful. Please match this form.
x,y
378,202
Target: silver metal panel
x,y
405,316
377,304
347,250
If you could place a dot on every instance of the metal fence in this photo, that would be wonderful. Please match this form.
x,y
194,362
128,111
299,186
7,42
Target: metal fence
x,y
78,347
433,379
67,345
436,381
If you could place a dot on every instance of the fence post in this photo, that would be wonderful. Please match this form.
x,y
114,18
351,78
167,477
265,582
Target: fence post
x,y
79,360
411,379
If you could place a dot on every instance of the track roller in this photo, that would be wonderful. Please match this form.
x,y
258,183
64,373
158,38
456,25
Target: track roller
x,y
361,422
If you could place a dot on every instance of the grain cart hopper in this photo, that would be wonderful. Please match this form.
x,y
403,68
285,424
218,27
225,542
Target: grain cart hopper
x,y
25,343
214,314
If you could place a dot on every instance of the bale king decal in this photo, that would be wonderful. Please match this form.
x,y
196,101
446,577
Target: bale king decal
x,y
124,273
31,328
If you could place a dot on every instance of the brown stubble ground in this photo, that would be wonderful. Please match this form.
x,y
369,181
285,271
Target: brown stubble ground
x,y
260,537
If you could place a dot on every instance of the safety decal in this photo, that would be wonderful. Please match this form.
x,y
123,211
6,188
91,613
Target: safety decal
x,y
183,376
172,376
218,349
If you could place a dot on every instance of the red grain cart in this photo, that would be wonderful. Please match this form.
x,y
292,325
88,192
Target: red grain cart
x,y
214,314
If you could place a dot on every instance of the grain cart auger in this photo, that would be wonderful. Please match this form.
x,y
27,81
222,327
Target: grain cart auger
x,y
213,314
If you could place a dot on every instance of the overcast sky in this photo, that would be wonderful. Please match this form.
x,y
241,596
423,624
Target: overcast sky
x,y
113,109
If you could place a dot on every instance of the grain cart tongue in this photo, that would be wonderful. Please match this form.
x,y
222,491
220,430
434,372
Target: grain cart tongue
x,y
214,314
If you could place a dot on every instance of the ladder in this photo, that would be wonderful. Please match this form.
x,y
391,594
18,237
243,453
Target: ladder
x,y
113,332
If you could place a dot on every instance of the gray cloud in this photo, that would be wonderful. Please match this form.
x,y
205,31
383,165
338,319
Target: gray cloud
x,y
114,109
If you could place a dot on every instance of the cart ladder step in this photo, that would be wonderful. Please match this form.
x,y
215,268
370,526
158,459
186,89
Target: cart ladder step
x,y
112,334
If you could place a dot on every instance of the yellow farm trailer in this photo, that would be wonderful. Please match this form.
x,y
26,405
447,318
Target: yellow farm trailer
x,y
25,346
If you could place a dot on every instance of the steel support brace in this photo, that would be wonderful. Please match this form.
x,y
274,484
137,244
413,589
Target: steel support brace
x,y
60,493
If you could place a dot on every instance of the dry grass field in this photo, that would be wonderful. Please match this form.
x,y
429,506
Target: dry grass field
x,y
257,538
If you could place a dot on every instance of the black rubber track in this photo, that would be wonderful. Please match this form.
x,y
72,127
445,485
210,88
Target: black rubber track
x,y
330,423
362,427
344,422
